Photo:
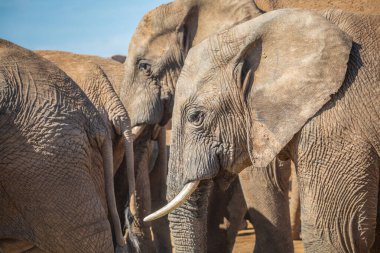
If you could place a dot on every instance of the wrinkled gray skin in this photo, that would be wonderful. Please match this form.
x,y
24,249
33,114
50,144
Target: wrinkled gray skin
x,y
100,79
155,59
366,6
236,88
56,164
369,7
295,206
160,45
97,77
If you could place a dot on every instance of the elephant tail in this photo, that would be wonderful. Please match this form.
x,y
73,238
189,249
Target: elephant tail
x,y
107,154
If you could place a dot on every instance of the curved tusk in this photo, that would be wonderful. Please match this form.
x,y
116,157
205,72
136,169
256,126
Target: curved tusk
x,y
137,130
175,203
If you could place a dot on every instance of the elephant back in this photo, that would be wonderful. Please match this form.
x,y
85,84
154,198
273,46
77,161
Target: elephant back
x,y
33,88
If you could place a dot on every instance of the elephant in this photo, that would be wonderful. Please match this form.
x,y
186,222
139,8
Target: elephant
x,y
369,7
101,87
56,164
155,58
97,77
294,84
100,79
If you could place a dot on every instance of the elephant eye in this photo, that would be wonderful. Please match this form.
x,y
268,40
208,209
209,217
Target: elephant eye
x,y
144,67
195,118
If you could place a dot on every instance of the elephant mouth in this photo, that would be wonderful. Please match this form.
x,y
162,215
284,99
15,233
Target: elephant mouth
x,y
181,198
224,179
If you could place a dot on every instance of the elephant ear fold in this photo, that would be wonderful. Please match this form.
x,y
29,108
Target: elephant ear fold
x,y
187,30
291,62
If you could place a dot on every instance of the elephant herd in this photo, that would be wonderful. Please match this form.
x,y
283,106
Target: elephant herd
x,y
256,93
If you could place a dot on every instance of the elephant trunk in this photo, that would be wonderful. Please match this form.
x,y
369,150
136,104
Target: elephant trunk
x,y
107,155
188,223
129,157
130,212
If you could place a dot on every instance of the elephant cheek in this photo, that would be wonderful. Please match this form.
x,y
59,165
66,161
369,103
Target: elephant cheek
x,y
145,107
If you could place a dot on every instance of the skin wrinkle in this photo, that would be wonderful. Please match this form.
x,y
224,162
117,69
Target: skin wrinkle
x,y
54,94
174,14
248,10
101,79
97,76
362,131
335,148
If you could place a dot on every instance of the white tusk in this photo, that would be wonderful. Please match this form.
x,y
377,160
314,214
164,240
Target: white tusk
x,y
176,202
137,130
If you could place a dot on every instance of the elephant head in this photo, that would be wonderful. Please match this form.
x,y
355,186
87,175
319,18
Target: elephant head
x,y
159,46
234,90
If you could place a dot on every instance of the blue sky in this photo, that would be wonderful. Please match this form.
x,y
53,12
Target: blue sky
x,y
99,27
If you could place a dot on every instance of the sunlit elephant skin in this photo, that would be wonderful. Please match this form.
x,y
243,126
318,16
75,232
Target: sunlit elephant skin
x,y
159,47
100,78
97,77
366,6
369,7
156,55
56,163
192,20
289,83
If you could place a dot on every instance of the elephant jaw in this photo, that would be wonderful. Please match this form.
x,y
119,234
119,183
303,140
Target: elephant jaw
x,y
181,198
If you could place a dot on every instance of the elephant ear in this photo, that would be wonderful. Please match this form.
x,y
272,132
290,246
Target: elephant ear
x,y
187,29
290,64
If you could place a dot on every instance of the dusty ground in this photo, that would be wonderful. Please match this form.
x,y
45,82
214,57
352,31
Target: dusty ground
x,y
246,241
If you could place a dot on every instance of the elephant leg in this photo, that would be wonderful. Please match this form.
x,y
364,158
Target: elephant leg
x,y
266,194
216,213
339,193
295,206
236,210
121,192
225,214
160,227
376,245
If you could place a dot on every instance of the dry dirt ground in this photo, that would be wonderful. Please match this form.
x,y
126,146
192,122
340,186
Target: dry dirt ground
x,y
245,242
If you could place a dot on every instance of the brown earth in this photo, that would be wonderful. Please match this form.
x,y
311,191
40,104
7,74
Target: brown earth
x,y
245,242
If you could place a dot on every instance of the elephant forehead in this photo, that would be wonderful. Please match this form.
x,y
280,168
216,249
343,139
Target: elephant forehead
x,y
197,71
